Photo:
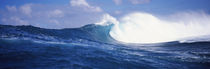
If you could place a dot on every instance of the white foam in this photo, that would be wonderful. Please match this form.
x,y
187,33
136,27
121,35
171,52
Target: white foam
x,y
107,20
146,28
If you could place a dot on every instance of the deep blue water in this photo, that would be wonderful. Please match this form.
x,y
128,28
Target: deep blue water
x,y
91,47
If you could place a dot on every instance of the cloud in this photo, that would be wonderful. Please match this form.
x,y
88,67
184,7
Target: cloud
x,y
15,21
11,8
79,3
117,2
49,16
117,12
13,15
56,13
26,9
54,21
77,14
83,4
139,1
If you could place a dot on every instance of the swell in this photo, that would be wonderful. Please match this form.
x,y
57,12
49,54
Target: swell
x,y
89,32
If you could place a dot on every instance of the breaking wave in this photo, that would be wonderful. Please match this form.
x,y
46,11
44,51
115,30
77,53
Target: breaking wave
x,y
132,28
147,28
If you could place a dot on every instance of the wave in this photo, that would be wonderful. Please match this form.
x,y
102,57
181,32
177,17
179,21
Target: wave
x,y
133,28
147,28
89,32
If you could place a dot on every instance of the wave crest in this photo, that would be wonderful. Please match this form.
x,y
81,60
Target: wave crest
x,y
146,28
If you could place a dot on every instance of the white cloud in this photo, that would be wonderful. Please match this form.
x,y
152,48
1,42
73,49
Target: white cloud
x,y
50,16
139,1
14,21
54,21
56,13
117,12
94,9
85,5
11,8
117,2
79,3
26,9
19,21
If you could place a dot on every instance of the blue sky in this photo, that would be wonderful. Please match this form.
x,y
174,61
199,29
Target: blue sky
x,y
76,13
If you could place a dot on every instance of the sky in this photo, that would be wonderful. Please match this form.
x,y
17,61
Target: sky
x,y
56,14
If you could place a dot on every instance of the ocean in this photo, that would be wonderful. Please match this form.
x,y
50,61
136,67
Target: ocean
x,y
92,47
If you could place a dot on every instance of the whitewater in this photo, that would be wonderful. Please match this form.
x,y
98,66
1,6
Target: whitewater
x,y
140,27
